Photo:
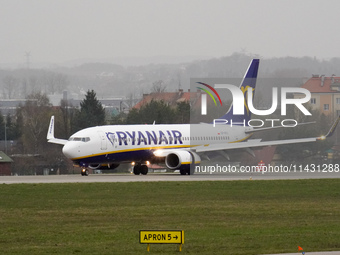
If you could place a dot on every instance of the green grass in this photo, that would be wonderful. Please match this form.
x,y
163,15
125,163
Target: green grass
x,y
232,217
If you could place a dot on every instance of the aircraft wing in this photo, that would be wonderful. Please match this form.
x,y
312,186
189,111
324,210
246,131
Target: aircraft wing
x,y
230,146
258,143
269,128
250,144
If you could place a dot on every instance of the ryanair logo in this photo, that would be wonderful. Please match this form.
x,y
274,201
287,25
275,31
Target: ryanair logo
x,y
145,137
245,93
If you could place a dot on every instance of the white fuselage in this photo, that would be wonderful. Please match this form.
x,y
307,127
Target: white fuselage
x,y
128,143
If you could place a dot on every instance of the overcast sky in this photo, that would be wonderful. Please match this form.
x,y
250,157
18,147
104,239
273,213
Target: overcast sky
x,y
57,31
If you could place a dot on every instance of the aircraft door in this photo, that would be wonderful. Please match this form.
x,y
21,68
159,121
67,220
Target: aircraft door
x,y
103,140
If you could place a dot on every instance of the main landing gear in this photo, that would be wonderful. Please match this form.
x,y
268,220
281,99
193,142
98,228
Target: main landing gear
x,y
140,169
186,172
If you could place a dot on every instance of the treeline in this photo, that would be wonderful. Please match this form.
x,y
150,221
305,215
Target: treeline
x,y
158,112
111,80
21,83
25,131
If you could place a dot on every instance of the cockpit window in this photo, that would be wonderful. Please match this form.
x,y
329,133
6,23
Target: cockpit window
x,y
85,139
80,139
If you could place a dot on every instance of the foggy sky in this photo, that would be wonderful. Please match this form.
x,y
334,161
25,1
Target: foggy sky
x,y
56,31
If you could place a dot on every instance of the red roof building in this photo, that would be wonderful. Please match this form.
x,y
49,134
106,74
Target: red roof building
x,y
171,98
325,94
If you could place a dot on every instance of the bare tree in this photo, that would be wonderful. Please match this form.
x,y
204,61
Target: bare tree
x,y
33,83
10,84
158,87
36,113
55,82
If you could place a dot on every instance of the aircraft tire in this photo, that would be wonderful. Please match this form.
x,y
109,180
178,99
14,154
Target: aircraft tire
x,y
137,169
183,171
144,169
84,172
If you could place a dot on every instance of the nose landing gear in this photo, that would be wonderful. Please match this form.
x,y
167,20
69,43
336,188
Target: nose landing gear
x,y
84,172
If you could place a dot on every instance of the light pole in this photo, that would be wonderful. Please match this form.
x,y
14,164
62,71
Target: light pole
x,y
5,119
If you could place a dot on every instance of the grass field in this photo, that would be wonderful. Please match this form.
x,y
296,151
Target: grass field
x,y
224,217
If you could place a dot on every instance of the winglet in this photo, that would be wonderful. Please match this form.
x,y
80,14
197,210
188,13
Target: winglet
x,y
50,133
335,124
331,131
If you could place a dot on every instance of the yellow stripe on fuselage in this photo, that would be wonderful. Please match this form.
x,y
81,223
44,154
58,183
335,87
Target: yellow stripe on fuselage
x,y
137,149
243,139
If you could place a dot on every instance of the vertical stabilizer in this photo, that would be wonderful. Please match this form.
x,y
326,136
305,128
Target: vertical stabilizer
x,y
249,80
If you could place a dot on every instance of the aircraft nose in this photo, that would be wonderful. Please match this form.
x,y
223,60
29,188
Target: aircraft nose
x,y
70,150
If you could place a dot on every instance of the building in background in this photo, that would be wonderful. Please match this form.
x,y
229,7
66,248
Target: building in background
x,y
325,94
5,164
172,98
325,97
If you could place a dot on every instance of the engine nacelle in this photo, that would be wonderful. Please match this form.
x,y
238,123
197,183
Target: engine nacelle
x,y
180,159
103,166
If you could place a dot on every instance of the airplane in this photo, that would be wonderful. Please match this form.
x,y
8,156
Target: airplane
x,y
178,146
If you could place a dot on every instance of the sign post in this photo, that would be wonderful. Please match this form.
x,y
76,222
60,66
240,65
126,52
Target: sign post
x,y
161,237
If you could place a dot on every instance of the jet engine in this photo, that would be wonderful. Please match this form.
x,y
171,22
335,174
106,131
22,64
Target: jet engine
x,y
182,160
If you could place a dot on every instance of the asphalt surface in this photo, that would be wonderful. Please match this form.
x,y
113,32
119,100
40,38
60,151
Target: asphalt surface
x,y
164,177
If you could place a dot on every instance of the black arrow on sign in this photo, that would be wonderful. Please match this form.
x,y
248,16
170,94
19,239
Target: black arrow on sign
x,y
176,237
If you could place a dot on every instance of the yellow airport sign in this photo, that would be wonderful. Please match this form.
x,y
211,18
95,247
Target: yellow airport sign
x,y
161,236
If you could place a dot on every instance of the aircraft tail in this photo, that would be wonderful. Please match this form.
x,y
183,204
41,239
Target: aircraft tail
x,y
249,80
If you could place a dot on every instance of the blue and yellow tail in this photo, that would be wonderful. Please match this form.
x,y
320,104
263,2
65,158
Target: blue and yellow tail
x,y
249,80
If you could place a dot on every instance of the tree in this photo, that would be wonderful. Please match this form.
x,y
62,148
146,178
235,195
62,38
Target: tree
x,y
55,82
158,87
91,113
183,112
11,133
304,151
158,111
30,125
2,127
67,116
35,118
133,117
10,84
19,123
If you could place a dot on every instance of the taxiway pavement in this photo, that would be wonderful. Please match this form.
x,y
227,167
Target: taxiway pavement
x,y
155,177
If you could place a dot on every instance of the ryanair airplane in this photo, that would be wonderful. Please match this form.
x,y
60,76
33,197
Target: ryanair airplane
x,y
179,146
